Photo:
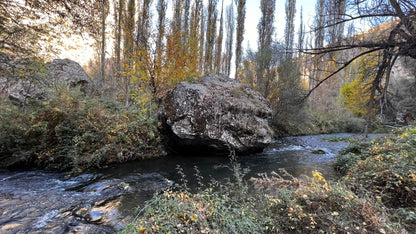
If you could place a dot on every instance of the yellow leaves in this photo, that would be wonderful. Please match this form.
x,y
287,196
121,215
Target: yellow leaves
x,y
318,179
404,135
335,213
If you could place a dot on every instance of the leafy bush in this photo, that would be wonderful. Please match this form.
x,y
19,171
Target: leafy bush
x,y
273,205
386,171
389,171
73,132
349,156
332,122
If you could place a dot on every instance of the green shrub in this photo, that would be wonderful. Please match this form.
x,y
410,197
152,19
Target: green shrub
x,y
73,132
349,156
389,171
273,205
385,170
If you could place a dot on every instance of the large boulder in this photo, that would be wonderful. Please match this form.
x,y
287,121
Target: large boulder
x,y
216,114
70,73
59,71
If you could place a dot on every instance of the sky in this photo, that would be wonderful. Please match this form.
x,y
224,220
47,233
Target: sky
x,y
81,50
253,15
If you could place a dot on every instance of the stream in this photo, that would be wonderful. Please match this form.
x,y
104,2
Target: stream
x,y
105,200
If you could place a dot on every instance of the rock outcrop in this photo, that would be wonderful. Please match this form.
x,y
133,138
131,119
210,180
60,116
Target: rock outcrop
x,y
68,72
59,71
216,113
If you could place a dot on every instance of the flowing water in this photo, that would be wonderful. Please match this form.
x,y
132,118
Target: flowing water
x,y
104,201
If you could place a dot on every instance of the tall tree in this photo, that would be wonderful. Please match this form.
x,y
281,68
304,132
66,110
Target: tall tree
x,y
128,33
104,5
396,40
265,28
118,19
290,9
23,31
319,23
301,32
202,40
142,35
186,21
210,36
195,37
241,16
161,11
230,39
335,14
218,46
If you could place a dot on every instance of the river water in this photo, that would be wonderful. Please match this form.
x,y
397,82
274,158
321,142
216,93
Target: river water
x,y
104,201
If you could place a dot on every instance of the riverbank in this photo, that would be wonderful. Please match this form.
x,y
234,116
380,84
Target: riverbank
x,y
106,199
376,196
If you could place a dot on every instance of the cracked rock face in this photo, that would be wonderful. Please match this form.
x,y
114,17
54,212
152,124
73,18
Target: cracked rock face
x,y
216,113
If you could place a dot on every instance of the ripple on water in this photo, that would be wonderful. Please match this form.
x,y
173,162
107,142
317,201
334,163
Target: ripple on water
x,y
43,220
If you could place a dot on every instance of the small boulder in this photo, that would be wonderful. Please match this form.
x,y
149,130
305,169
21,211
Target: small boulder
x,y
216,114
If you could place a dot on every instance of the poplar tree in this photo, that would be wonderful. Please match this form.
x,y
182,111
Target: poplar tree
x,y
143,26
290,9
210,36
102,69
241,16
218,47
118,18
161,22
335,13
194,36
319,23
128,32
301,32
185,23
264,57
202,41
230,39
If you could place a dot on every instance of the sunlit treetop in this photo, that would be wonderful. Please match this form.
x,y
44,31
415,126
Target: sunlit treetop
x,y
29,27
